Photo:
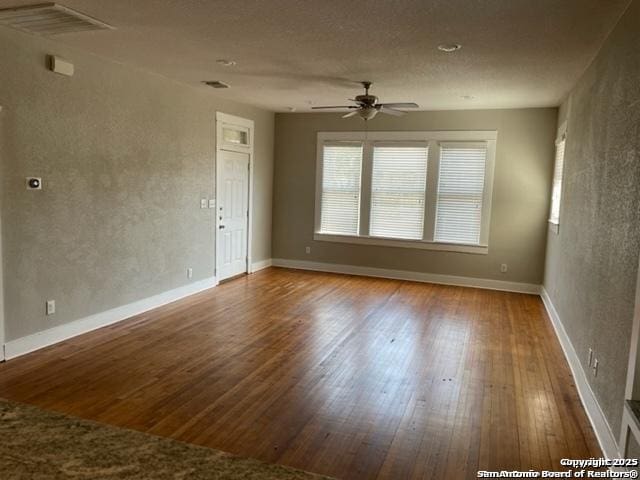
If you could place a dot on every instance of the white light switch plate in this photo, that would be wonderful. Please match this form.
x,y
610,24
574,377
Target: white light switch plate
x,y
203,203
212,203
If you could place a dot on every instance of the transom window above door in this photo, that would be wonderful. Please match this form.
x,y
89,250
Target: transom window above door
x,y
427,190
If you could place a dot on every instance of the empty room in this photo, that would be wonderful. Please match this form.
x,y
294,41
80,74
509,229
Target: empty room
x,y
302,240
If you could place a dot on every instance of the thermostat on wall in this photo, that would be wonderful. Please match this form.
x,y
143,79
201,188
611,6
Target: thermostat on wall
x,y
34,183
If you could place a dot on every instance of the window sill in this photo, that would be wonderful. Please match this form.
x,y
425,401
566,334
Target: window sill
x,y
390,242
554,227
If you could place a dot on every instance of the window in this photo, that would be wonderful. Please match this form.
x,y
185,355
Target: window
x,y
460,193
556,189
427,190
235,135
342,164
398,191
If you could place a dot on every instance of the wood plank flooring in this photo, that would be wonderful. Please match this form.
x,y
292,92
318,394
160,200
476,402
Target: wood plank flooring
x,y
357,378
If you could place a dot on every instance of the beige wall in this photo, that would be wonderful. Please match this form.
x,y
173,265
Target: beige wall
x,y
592,263
125,156
523,171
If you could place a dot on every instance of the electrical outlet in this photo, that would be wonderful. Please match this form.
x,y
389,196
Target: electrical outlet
x,y
189,272
504,268
307,250
590,357
204,203
51,307
595,367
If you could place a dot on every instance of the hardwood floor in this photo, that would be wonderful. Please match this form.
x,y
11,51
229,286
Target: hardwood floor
x,y
358,378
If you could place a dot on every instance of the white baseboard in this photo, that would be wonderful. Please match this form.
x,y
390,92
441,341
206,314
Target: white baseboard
x,y
260,265
411,276
36,341
601,427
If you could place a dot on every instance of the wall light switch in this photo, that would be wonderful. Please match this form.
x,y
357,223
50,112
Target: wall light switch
x,y
203,203
212,203
51,307
189,272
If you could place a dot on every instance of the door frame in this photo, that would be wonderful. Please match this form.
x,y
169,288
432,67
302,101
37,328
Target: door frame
x,y
2,319
632,389
2,327
223,119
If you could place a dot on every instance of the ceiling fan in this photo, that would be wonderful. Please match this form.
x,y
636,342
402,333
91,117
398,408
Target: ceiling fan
x,y
367,106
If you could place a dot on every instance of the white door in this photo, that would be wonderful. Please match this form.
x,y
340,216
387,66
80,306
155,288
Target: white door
x,y
233,213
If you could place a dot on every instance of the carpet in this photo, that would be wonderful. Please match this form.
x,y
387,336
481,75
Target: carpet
x,y
36,444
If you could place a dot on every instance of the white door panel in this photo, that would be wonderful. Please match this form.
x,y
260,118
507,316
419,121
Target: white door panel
x,y
232,210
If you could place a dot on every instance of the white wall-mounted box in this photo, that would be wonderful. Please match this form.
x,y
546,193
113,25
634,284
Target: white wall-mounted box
x,y
58,65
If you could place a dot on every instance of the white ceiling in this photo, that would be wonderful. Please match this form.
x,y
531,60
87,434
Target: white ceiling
x,y
294,53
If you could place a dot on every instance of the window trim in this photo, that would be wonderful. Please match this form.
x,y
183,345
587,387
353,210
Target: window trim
x,y
554,226
433,139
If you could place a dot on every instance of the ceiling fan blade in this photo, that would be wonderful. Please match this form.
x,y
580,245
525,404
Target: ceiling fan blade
x,y
336,106
350,114
391,111
401,105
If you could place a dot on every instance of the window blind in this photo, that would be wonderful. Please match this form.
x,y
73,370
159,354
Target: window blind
x,y
460,193
556,192
398,191
341,171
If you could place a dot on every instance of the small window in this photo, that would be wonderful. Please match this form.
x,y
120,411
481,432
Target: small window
x,y
460,193
235,135
398,191
341,170
556,189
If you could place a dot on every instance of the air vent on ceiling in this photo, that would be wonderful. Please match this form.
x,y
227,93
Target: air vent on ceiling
x,y
216,84
49,19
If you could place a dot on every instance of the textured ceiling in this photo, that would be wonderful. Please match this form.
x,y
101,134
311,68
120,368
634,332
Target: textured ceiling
x,y
295,53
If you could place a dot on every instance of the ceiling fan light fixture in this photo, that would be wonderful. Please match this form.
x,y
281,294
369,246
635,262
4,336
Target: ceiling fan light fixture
x,y
367,113
449,47
367,106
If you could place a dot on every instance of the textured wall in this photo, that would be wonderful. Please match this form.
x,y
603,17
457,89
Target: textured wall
x,y
592,263
125,157
523,172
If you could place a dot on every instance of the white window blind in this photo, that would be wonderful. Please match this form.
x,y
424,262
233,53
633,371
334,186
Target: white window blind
x,y
460,193
556,192
398,184
341,171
